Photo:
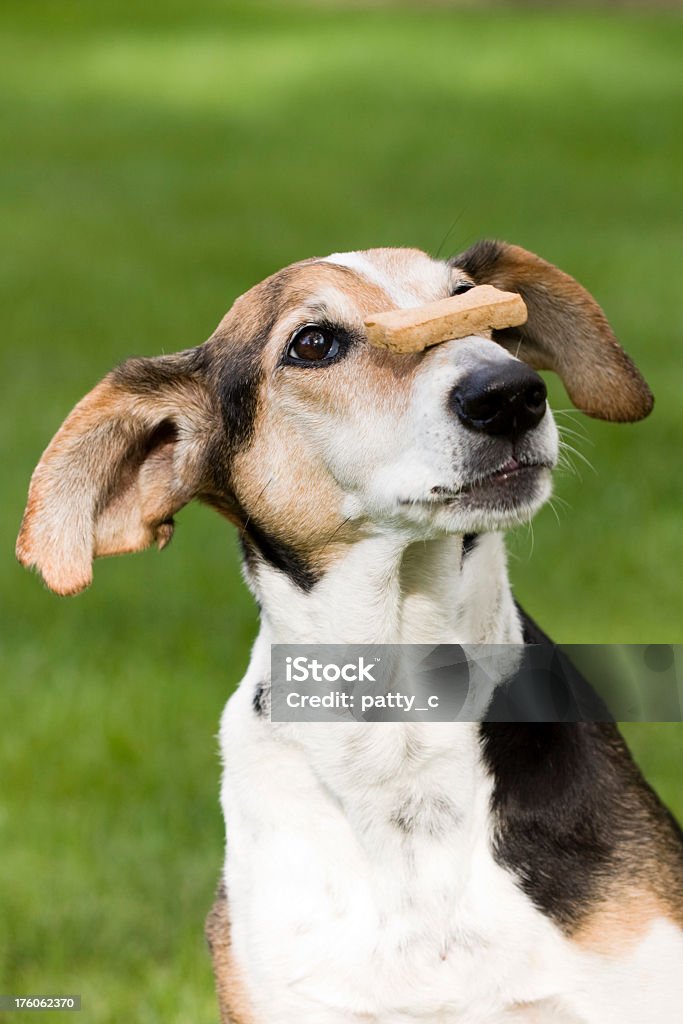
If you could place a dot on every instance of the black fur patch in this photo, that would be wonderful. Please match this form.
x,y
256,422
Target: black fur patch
x,y
257,699
261,699
237,375
281,556
479,259
238,393
469,542
571,809
546,690
555,826
256,543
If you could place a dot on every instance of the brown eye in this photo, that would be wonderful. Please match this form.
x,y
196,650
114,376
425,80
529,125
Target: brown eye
x,y
461,288
313,345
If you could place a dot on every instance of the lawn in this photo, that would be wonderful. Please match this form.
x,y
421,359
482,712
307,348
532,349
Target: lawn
x,y
158,160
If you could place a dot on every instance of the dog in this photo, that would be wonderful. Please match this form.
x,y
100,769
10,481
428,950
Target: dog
x,y
388,872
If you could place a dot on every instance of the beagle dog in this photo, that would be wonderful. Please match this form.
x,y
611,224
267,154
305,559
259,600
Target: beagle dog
x,y
391,873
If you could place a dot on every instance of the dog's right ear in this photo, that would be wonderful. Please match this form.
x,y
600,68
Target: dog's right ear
x,y
566,331
129,456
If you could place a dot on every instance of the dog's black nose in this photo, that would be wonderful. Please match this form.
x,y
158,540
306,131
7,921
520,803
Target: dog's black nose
x,y
506,399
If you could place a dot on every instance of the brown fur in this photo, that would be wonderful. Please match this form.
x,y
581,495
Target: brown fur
x,y
643,878
113,476
275,477
620,922
566,332
213,422
646,884
233,1000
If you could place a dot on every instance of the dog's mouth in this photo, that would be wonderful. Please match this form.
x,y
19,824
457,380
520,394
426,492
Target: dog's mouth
x,y
513,482
507,479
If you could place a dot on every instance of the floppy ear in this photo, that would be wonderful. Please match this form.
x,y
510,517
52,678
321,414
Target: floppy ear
x,y
127,458
566,331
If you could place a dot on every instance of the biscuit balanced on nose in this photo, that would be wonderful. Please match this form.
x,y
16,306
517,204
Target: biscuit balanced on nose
x,y
482,308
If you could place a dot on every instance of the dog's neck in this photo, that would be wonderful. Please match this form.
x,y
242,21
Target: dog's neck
x,y
388,588
385,590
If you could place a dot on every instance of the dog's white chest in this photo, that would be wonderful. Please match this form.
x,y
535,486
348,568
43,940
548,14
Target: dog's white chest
x,y
361,882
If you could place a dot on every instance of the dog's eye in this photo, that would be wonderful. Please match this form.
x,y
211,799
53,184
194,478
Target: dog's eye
x,y
313,345
460,289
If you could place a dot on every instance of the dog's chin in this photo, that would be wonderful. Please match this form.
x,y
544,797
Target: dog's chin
x,y
508,497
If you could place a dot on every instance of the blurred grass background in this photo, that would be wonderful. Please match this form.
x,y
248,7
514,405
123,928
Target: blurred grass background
x,y
158,160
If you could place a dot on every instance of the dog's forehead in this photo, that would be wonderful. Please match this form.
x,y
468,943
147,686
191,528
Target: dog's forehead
x,y
345,287
409,277
383,278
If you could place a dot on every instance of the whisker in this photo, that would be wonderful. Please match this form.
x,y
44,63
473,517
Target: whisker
x,y
564,445
335,532
565,465
449,233
560,501
571,414
575,433
258,498
566,415
551,505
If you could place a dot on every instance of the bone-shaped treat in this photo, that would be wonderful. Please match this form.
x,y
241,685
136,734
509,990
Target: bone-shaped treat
x,y
479,309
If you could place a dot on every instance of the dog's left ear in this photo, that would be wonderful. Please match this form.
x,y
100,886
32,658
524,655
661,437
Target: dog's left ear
x,y
126,459
566,331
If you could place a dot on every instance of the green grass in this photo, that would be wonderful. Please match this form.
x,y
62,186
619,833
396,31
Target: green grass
x,y
159,159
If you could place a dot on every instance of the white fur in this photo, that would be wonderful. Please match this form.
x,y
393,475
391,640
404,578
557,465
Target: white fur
x,y
337,914
426,281
390,457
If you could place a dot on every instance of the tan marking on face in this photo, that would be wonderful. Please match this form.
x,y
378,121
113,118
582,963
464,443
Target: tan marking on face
x,y
280,473
106,485
289,496
100,489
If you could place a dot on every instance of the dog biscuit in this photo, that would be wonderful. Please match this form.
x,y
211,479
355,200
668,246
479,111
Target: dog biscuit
x,y
412,330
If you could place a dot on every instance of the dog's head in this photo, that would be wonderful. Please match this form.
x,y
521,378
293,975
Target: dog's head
x,y
306,437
